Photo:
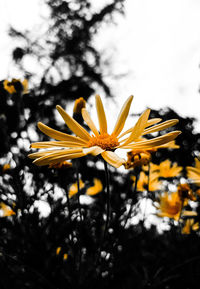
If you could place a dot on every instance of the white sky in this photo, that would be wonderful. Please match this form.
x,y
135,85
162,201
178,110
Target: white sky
x,y
157,44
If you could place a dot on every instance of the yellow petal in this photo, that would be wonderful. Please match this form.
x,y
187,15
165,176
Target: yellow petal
x,y
93,151
97,188
89,121
139,127
189,213
59,156
57,134
61,144
153,142
113,159
41,153
73,124
161,126
122,116
101,115
149,123
153,121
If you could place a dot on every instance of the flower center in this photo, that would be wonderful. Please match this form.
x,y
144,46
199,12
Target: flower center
x,y
105,141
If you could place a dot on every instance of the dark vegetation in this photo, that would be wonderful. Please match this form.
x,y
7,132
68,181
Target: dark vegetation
x,y
132,256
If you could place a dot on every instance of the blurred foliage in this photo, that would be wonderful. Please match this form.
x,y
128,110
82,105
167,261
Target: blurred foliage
x,y
53,247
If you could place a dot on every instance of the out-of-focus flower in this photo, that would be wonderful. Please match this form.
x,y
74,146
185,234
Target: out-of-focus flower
x,y
78,105
170,205
193,173
190,226
94,190
166,169
58,252
61,165
5,167
150,183
16,85
137,159
73,190
6,210
100,142
65,256
185,192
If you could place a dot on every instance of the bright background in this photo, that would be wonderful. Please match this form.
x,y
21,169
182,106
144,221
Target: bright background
x,y
155,51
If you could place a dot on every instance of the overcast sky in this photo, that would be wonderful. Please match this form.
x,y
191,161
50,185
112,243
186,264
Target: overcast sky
x,y
157,44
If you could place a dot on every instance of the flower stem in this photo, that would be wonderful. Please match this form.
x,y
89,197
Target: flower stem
x,y
78,194
131,205
107,214
107,199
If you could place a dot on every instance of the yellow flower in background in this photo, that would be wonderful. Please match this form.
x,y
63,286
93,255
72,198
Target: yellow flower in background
x,y
170,205
185,192
61,165
137,159
166,169
10,86
94,190
99,142
6,210
78,105
65,256
190,226
5,168
193,173
145,183
58,250
73,190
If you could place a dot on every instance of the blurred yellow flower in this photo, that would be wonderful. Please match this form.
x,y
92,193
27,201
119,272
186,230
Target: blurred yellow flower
x,y
94,190
58,250
65,256
100,142
185,192
5,168
10,86
61,165
170,205
137,159
6,210
193,173
73,190
166,169
145,183
78,105
190,226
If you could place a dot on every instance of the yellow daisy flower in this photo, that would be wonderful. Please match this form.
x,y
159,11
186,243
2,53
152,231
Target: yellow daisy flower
x,y
144,182
94,190
190,226
5,168
194,172
166,169
170,205
10,85
100,141
73,190
6,210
